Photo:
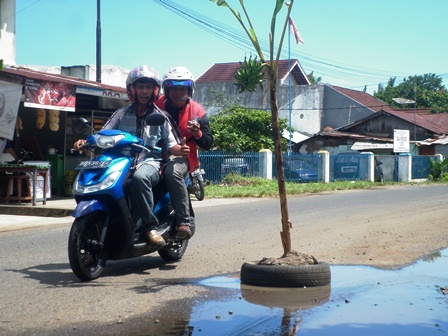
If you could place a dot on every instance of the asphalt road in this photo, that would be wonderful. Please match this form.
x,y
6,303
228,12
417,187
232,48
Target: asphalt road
x,y
40,295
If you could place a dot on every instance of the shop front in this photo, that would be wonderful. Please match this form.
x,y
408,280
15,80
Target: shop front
x,y
40,123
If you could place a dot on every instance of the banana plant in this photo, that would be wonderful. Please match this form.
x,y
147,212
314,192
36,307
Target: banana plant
x,y
249,79
249,75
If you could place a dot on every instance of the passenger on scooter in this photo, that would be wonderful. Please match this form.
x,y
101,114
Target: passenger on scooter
x,y
178,85
143,85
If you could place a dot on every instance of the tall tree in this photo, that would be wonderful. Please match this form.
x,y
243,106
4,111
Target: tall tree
x,y
426,90
270,67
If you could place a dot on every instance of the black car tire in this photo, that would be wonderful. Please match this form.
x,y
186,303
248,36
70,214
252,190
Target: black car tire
x,y
286,276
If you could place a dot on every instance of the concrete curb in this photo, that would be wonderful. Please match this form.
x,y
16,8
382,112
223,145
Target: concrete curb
x,y
60,207
39,212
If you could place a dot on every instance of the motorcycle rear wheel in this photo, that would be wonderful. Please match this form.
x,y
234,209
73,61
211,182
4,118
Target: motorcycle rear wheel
x,y
86,258
174,251
198,189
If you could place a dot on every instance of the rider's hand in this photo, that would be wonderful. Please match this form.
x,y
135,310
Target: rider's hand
x,y
78,144
184,148
181,150
194,128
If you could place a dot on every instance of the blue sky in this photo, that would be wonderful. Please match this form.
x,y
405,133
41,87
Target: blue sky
x,y
348,43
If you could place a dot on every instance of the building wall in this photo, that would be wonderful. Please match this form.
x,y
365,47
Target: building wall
x,y
306,102
306,107
110,74
8,31
384,126
442,149
340,110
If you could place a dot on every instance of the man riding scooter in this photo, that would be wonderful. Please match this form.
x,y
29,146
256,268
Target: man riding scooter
x,y
143,87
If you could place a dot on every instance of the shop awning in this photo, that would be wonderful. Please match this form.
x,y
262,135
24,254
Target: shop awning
x,y
57,92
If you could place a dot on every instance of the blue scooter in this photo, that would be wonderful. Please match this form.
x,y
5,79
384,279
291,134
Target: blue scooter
x,y
104,227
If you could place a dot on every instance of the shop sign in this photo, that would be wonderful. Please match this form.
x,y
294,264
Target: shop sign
x,y
101,93
49,95
401,141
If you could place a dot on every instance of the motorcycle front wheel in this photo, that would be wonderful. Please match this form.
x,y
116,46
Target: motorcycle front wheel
x,y
86,255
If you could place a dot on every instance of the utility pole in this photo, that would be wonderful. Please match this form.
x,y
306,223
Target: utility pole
x,y
98,41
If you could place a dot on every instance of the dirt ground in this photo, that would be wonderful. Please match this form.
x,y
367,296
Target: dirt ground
x,y
381,237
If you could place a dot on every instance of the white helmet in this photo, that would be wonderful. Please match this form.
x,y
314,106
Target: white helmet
x,y
178,76
141,72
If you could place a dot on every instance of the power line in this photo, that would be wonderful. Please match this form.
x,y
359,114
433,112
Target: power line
x,y
320,66
21,10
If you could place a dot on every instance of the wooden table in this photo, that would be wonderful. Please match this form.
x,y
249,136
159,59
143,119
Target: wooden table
x,y
43,170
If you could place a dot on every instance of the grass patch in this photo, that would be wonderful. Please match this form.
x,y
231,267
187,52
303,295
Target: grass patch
x,y
234,185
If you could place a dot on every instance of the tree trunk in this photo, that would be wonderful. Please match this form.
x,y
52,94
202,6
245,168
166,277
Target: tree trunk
x,y
285,234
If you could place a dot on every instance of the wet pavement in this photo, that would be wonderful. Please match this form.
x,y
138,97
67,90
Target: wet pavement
x,y
362,300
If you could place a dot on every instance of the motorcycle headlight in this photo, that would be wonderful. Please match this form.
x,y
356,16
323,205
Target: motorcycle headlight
x,y
107,141
104,184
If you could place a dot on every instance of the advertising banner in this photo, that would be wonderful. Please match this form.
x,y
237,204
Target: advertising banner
x,y
49,95
9,107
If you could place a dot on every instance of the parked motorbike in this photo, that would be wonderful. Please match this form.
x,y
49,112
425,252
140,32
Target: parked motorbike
x,y
196,186
105,227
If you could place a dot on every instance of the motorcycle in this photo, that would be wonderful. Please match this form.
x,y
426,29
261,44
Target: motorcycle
x,y
105,227
196,186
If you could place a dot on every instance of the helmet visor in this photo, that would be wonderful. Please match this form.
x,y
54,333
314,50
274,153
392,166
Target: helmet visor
x,y
187,83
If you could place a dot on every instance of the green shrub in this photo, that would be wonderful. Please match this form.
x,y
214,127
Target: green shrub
x,y
438,170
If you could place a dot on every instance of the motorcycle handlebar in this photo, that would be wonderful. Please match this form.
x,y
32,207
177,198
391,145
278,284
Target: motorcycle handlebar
x,y
157,149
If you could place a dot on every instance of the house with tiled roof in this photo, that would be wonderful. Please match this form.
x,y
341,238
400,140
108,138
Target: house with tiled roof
x,y
311,108
225,72
297,98
333,117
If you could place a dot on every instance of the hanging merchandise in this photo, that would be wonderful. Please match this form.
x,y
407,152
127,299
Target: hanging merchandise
x,y
40,118
53,118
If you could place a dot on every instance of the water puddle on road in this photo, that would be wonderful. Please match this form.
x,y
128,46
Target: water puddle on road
x,y
362,300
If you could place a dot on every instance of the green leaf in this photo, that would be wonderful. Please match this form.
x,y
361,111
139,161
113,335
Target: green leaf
x,y
249,75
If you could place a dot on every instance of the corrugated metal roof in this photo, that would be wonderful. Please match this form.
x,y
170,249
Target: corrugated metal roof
x,y
424,120
33,74
418,118
355,136
440,119
363,98
442,140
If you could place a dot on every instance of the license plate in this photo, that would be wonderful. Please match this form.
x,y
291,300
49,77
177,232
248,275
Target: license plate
x,y
198,172
92,164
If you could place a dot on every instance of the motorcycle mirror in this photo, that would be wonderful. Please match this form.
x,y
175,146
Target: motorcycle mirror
x,y
81,124
155,119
